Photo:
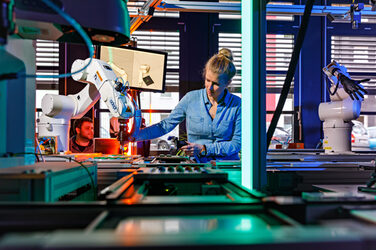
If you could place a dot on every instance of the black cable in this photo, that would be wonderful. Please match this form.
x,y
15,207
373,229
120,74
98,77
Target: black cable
x,y
291,71
328,88
64,157
327,85
8,76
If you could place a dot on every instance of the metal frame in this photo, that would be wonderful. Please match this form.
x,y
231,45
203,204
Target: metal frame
x,y
208,7
215,7
145,13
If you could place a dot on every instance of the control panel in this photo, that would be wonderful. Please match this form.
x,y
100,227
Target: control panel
x,y
179,171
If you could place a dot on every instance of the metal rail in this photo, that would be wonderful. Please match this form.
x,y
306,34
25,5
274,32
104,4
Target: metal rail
x,y
146,12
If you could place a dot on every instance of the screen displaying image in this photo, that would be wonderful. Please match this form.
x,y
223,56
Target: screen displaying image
x,y
143,69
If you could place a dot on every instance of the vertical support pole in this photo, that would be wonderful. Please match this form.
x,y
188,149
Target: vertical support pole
x,y
199,43
312,82
253,94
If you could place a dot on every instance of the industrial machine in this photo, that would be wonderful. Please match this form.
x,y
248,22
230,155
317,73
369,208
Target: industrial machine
x,y
102,82
37,20
175,184
42,19
346,96
296,171
49,182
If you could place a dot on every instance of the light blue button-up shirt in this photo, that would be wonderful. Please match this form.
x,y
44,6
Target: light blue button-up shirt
x,y
221,135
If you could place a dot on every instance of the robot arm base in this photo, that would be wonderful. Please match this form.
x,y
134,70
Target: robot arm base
x,y
345,110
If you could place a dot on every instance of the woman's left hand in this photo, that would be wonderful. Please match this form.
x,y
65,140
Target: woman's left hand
x,y
192,148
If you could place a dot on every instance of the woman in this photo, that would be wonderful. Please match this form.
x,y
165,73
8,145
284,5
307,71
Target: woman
x,y
213,115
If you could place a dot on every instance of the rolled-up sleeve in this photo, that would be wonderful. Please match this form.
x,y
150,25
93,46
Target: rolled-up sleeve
x,y
166,125
227,148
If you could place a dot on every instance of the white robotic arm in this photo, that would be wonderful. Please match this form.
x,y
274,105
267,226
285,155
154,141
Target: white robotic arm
x,y
346,96
111,88
102,83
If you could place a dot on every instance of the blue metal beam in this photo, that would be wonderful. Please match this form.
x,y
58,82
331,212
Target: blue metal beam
x,y
318,10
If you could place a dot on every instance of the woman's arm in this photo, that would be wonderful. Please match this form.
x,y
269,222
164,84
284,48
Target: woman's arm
x,y
166,125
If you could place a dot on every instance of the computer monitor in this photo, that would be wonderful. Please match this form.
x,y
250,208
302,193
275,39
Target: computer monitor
x,y
143,69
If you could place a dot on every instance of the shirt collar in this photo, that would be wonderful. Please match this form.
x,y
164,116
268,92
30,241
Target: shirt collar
x,y
206,99
223,100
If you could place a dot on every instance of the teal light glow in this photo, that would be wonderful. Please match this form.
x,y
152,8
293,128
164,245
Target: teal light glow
x,y
247,94
245,225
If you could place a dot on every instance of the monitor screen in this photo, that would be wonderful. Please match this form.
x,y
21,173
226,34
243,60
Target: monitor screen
x,y
143,69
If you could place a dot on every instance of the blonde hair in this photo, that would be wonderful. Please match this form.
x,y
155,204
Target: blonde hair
x,y
222,63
